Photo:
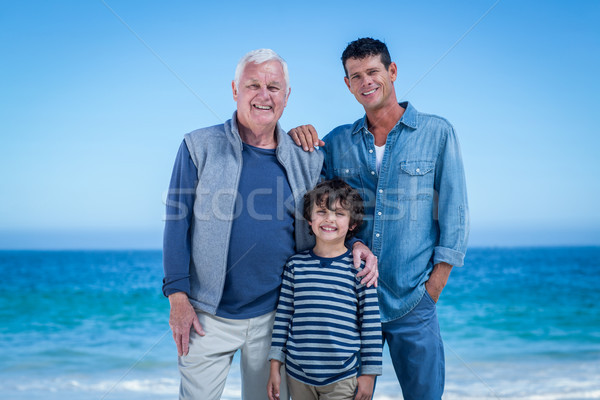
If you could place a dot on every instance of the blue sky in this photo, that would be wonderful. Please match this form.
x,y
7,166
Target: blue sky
x,y
96,96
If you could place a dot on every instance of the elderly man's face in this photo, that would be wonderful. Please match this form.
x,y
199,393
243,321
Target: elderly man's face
x,y
261,96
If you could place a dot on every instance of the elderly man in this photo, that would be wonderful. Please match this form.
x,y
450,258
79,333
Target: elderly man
x,y
233,219
407,166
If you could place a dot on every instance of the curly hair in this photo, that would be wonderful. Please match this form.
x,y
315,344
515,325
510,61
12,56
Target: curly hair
x,y
327,193
366,47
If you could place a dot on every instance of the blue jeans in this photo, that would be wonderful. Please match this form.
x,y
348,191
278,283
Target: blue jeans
x,y
417,351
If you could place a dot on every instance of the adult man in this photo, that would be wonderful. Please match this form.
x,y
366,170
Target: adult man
x,y
408,168
232,222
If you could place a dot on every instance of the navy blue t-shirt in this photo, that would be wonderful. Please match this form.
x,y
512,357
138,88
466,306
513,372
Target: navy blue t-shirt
x,y
262,236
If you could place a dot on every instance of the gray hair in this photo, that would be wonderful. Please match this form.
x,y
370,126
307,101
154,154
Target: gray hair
x,y
260,56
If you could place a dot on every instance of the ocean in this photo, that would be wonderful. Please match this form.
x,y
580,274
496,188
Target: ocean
x,y
517,323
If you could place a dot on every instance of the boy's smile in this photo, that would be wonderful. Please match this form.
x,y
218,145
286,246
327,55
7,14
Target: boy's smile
x,y
330,226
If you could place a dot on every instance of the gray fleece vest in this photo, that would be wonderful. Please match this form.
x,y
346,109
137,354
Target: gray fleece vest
x,y
217,153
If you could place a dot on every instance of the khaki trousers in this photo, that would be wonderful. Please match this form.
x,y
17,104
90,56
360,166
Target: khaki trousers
x,y
204,370
342,390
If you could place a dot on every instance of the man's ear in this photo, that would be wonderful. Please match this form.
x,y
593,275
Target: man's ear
x,y
393,71
234,90
347,82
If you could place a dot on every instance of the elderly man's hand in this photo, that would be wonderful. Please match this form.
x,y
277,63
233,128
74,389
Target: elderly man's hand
x,y
183,317
306,136
370,272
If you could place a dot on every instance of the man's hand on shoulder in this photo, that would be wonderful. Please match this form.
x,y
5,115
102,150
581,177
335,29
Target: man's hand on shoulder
x,y
182,318
306,136
370,272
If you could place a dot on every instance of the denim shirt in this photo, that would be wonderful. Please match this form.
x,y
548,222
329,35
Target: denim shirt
x,y
416,212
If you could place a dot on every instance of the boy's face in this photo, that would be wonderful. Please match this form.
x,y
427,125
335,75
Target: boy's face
x,y
328,225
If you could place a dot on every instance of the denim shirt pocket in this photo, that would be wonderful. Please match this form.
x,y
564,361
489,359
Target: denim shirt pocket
x,y
415,188
417,168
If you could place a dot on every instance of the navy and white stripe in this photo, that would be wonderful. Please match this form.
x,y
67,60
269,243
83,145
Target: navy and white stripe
x,y
327,322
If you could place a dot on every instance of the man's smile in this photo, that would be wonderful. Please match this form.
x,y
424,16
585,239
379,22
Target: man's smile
x,y
262,107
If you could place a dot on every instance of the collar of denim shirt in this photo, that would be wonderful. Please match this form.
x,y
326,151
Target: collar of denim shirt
x,y
409,118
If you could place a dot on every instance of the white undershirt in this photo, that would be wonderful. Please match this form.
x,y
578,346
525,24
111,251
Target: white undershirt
x,y
379,150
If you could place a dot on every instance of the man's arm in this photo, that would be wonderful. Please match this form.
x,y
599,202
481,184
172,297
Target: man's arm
x,y
360,251
306,136
453,210
302,136
182,318
453,215
437,280
176,249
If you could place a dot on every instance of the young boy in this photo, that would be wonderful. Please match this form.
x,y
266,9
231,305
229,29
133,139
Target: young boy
x,y
327,323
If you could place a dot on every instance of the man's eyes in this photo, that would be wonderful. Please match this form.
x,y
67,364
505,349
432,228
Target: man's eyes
x,y
256,86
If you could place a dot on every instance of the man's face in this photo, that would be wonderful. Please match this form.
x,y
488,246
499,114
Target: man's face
x,y
261,95
370,82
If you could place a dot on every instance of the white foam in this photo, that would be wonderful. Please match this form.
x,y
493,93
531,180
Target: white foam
x,y
464,381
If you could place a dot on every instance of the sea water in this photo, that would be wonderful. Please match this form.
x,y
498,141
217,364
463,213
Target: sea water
x,y
517,323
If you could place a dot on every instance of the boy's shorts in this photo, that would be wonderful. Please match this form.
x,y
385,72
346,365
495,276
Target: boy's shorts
x,y
341,390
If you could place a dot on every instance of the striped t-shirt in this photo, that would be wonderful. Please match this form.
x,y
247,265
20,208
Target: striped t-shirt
x,y
327,322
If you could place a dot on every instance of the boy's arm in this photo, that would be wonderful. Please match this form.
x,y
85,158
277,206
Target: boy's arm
x,y
283,316
369,324
274,380
364,390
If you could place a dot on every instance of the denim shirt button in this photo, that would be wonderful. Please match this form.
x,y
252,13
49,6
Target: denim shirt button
x,y
377,235
347,170
418,169
370,150
372,172
380,190
379,213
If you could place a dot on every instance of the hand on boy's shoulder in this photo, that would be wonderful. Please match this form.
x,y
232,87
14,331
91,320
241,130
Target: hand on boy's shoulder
x,y
357,271
363,255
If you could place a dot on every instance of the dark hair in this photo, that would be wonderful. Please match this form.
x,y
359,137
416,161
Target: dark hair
x,y
366,47
327,193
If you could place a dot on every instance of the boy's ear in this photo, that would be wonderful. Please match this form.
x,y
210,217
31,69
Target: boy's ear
x,y
352,227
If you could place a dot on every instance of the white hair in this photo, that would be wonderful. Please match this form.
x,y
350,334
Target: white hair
x,y
260,56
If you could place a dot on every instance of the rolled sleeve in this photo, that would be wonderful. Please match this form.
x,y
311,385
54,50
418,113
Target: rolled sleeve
x,y
453,210
277,354
450,256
